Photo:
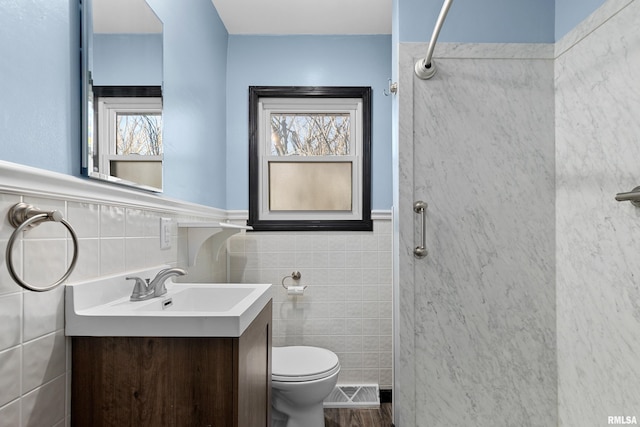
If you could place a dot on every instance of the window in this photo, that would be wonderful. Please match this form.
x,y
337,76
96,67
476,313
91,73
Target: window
x,y
310,158
129,143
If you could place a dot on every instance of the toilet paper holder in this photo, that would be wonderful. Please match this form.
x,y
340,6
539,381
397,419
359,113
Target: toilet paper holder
x,y
294,289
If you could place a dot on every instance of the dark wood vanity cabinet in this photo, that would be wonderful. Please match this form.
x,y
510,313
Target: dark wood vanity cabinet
x,y
163,381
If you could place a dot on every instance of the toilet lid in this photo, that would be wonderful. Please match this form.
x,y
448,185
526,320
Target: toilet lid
x,y
302,363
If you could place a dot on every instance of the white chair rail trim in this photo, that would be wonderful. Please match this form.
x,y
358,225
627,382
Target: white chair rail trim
x,y
29,181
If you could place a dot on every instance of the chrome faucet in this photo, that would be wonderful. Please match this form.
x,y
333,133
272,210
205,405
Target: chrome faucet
x,y
147,289
157,284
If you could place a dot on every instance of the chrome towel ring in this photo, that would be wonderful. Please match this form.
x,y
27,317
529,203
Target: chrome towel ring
x,y
23,217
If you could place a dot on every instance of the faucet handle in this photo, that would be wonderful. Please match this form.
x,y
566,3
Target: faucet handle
x,y
140,289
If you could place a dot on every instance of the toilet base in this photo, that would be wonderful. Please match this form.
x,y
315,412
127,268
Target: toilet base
x,y
278,419
310,416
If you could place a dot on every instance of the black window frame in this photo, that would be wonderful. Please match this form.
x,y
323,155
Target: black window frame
x,y
258,92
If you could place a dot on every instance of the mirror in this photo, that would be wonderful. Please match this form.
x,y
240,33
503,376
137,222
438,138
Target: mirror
x,y
122,93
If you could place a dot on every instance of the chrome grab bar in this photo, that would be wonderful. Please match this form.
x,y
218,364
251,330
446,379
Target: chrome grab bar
x,y
24,217
420,208
632,196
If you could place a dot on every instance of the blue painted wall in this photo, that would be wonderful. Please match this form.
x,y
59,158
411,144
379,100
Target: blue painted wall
x,y
570,13
194,101
493,21
307,61
473,21
39,84
206,153
127,59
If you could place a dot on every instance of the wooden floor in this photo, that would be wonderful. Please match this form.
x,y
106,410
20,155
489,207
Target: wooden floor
x,y
359,417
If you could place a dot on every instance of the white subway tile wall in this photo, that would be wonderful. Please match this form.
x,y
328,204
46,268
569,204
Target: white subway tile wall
x,y
347,305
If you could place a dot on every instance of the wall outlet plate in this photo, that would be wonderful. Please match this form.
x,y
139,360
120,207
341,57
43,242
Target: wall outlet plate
x,y
165,233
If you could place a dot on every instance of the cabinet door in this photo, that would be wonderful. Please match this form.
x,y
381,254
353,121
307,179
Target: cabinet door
x,y
201,383
253,392
136,381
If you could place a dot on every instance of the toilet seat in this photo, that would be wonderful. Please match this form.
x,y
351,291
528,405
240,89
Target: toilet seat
x,y
302,363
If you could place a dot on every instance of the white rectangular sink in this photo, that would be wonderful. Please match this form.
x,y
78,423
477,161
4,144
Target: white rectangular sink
x,y
199,298
101,307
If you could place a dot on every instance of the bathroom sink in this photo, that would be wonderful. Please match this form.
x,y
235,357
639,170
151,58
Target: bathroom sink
x,y
101,307
199,298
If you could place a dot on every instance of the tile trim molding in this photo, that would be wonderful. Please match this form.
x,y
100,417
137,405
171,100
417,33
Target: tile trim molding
x,y
483,50
29,181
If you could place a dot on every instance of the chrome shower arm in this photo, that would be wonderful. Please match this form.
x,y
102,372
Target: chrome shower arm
x,y
425,69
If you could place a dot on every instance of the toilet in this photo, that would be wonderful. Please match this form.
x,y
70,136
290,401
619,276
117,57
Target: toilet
x,y
301,377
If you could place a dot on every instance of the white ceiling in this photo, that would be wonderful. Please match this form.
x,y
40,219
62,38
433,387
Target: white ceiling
x,y
124,16
305,16
279,17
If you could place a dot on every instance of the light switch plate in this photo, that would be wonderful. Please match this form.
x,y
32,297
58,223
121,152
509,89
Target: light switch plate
x,y
165,233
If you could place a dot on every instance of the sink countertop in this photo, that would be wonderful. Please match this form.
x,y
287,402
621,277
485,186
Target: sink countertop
x,y
101,307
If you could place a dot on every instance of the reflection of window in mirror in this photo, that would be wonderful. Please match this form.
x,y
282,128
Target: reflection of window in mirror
x,y
130,139
122,46
310,158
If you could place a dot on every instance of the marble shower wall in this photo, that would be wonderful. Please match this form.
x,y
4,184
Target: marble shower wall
x,y
477,316
598,239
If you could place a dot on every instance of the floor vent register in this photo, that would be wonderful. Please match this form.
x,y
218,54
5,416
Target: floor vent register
x,y
353,396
